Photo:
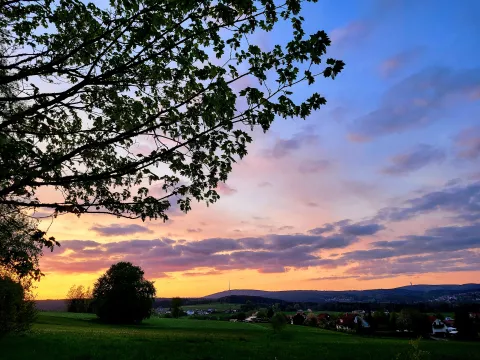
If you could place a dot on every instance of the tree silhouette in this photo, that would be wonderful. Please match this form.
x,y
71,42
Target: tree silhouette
x,y
176,307
78,299
122,295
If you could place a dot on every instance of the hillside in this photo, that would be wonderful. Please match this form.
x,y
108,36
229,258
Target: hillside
x,y
67,336
401,294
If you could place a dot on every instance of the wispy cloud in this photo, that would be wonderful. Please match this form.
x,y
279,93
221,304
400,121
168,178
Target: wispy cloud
x,y
415,102
224,189
120,229
414,159
400,61
467,143
285,147
332,278
314,166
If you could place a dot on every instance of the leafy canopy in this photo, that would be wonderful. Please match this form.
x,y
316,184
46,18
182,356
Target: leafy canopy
x,y
99,103
122,295
21,244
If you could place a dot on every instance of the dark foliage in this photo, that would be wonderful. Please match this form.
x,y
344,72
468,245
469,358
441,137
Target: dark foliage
x,y
122,295
241,316
79,300
298,319
278,321
270,313
16,313
21,243
176,307
114,64
465,325
262,314
311,320
248,306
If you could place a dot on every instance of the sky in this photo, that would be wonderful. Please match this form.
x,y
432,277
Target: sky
x,y
377,189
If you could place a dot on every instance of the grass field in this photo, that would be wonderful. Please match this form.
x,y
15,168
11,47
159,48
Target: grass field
x,y
81,337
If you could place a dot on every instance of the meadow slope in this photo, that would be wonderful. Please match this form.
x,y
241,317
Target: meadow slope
x,y
81,337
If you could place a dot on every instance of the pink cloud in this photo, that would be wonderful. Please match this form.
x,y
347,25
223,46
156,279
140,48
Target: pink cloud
x,y
224,189
350,33
399,61
468,143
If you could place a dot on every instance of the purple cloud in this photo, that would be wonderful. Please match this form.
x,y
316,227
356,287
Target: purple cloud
x,y
414,102
268,254
436,240
414,159
346,227
362,229
265,184
119,229
467,143
285,147
321,230
461,200
311,167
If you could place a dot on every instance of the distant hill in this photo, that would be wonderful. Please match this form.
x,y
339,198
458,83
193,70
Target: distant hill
x,y
424,288
401,294
51,305
412,293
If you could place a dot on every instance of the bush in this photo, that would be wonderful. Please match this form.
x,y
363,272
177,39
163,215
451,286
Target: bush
x,y
465,325
262,315
241,316
311,320
270,313
298,319
278,321
16,313
122,295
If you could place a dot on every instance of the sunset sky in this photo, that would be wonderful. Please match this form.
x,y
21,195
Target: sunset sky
x,y
379,188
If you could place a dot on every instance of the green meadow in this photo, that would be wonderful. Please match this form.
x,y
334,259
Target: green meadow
x,y
82,337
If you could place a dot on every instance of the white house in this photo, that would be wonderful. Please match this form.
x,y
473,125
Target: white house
x,y
359,319
439,328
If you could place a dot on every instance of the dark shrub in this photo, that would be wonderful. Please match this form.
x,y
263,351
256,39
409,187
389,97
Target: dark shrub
x,y
298,319
465,325
241,316
16,313
176,307
278,321
270,313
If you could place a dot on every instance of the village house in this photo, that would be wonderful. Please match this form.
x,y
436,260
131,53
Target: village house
x,y
439,328
323,317
349,322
